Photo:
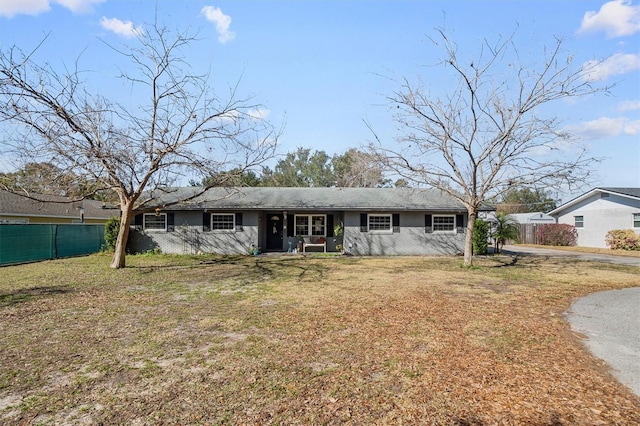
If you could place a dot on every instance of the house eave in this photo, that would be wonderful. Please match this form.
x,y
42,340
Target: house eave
x,y
557,211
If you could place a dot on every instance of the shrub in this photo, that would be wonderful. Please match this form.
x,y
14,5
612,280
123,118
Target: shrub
x,y
557,234
623,239
111,228
480,236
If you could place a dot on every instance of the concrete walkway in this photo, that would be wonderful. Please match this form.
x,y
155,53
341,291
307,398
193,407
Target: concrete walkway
x,y
610,319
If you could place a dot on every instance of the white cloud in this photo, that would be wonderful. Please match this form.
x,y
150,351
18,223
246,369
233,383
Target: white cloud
x,y
27,7
123,28
10,8
605,127
254,114
221,21
619,63
79,6
628,106
616,18
259,113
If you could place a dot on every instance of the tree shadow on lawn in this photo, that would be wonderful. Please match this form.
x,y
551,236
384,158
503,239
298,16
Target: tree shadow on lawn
x,y
263,266
27,294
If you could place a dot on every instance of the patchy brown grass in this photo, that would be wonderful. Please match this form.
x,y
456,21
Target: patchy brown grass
x,y
293,340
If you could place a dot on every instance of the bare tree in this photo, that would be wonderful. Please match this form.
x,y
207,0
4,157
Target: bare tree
x,y
180,127
489,132
358,169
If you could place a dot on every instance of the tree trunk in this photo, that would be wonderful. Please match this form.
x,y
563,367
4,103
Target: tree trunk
x,y
123,235
468,239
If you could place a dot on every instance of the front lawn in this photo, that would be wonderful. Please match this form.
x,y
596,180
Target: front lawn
x,y
303,340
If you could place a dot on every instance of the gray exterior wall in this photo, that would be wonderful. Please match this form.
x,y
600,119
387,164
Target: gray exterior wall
x,y
190,238
601,215
411,240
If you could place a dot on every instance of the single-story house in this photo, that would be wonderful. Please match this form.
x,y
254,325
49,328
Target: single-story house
x,y
17,209
532,218
599,211
360,221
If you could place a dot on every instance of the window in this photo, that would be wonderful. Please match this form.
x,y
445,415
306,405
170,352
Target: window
x,y
302,225
579,221
311,225
636,220
154,221
380,223
223,222
444,223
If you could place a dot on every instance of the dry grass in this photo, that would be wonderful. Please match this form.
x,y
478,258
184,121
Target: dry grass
x,y
292,340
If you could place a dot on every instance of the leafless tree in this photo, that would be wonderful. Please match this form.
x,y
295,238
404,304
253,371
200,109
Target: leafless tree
x,y
358,169
179,127
489,132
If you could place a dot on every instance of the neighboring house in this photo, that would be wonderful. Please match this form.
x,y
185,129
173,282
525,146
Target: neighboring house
x,y
599,211
375,221
17,209
532,218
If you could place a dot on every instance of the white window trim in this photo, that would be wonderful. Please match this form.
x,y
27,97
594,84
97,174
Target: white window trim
x,y
223,231
633,220
439,231
144,222
575,221
309,225
380,231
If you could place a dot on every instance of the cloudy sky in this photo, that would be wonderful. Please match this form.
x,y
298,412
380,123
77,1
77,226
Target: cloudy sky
x,y
324,67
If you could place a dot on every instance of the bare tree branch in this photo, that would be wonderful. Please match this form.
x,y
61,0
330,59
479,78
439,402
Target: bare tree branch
x,y
487,134
180,127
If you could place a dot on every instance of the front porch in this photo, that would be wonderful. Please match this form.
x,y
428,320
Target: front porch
x,y
299,231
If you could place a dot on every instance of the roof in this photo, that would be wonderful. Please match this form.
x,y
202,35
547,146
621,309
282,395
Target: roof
x,y
52,206
633,193
531,217
317,199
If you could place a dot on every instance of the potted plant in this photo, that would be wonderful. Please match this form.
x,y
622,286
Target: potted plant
x,y
338,232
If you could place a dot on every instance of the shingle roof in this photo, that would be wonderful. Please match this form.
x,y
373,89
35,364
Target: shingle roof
x,y
52,206
632,192
281,198
627,192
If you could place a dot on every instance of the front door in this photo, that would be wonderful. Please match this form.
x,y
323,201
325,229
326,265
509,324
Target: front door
x,y
274,232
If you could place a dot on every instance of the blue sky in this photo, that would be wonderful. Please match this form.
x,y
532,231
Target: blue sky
x,y
322,67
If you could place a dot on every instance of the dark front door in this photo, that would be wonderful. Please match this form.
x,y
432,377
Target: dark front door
x,y
274,232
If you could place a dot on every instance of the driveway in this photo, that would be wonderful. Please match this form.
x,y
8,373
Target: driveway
x,y
607,258
611,322
609,319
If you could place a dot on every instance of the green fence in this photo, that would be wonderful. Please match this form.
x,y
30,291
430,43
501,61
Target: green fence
x,y
29,243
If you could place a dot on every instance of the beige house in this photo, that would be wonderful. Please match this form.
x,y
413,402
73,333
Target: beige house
x,y
16,209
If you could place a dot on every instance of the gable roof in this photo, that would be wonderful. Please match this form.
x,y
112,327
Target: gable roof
x,y
316,199
52,206
633,193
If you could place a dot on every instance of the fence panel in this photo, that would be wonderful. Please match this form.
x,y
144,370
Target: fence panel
x,y
528,233
30,243
77,240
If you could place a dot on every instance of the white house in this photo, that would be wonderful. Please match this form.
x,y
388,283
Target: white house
x,y
599,211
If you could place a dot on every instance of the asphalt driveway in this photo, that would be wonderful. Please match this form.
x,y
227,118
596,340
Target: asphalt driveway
x,y
595,257
610,320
